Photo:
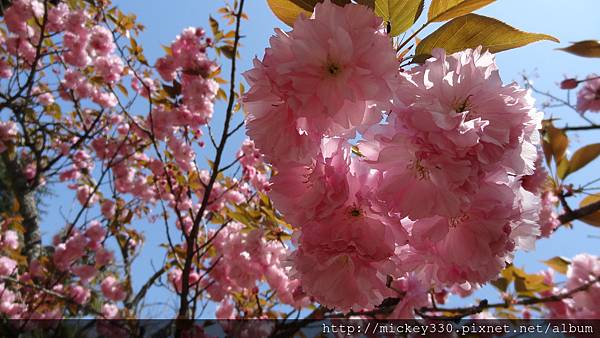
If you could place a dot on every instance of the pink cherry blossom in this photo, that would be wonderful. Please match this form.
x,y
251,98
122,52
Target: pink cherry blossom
x,y
5,69
101,41
301,192
112,289
474,246
9,239
68,252
103,257
414,296
588,97
9,303
95,232
452,121
110,311
307,87
358,238
548,217
79,294
7,266
86,195
85,272
584,269
57,17
536,181
8,134
225,310
109,68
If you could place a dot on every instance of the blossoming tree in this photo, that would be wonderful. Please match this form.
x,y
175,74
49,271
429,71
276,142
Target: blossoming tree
x,y
381,174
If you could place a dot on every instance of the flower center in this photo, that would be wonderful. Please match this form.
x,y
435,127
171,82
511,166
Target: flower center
x,y
455,221
333,69
354,211
421,172
461,107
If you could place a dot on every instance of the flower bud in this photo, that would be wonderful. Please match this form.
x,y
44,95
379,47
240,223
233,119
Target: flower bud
x,y
569,84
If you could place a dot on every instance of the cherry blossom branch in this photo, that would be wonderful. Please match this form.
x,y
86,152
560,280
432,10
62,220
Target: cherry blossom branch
x,y
191,239
483,305
552,97
52,293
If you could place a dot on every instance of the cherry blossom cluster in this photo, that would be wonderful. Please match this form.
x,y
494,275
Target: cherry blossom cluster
x,y
244,260
188,63
429,196
82,255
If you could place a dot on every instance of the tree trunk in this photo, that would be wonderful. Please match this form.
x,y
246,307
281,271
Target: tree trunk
x,y
25,196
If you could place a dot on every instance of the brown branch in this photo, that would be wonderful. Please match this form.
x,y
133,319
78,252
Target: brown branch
x,y
144,289
592,127
579,213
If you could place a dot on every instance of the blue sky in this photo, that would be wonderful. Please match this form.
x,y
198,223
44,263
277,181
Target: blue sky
x,y
567,20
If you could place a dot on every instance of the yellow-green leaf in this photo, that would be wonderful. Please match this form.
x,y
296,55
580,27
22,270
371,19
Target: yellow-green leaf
x,y
471,31
227,51
500,284
214,26
583,156
289,10
556,140
368,3
593,219
586,48
442,10
558,264
563,168
400,14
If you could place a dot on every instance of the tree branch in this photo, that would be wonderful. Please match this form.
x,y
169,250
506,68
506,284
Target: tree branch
x,y
592,127
579,213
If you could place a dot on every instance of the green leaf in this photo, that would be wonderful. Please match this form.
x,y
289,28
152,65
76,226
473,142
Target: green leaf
x,y
442,10
472,31
400,14
558,264
586,48
583,156
593,219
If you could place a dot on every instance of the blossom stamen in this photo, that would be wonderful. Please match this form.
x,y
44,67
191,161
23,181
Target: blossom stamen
x,y
333,69
421,172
